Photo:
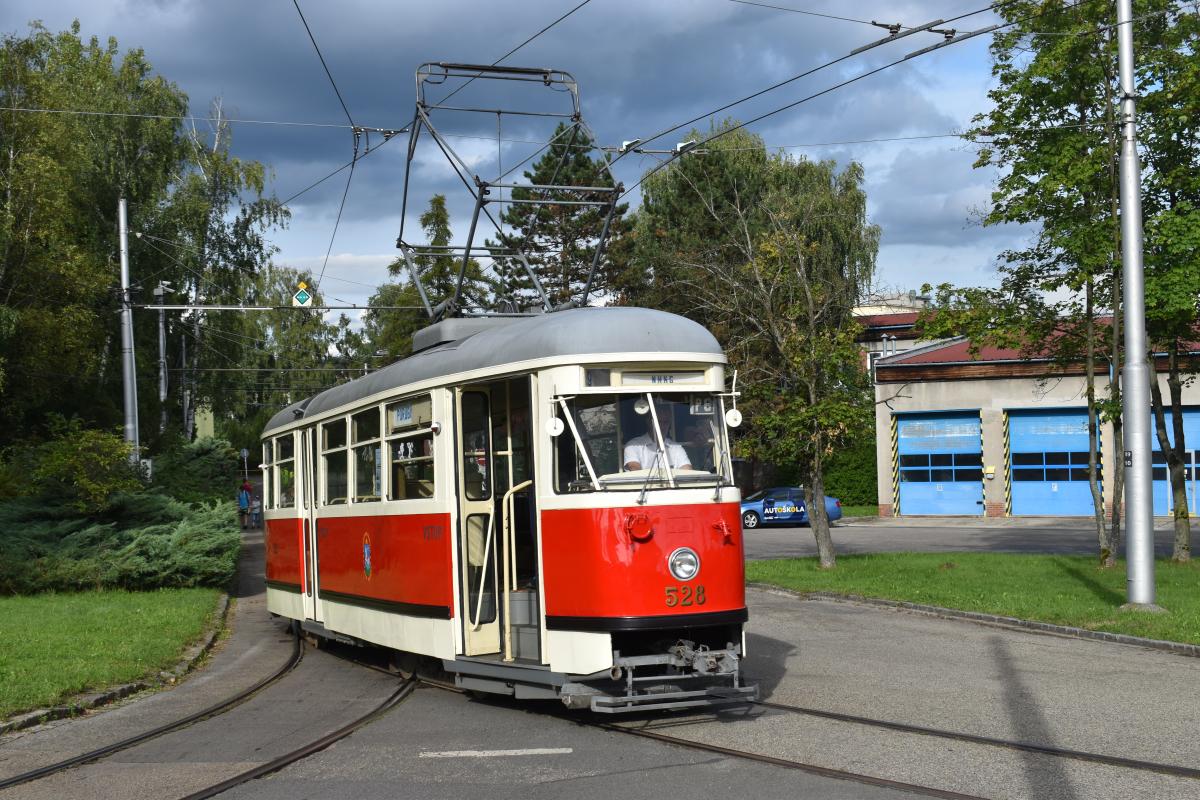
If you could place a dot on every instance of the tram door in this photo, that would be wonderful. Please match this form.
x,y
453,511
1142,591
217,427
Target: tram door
x,y
479,534
308,510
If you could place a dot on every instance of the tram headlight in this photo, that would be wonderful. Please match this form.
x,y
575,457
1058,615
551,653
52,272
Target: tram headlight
x,y
684,563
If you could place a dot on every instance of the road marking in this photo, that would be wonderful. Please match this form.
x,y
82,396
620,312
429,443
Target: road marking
x,y
532,751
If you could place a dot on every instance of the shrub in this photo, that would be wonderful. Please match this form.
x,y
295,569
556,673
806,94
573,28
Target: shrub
x,y
205,470
138,541
79,466
850,473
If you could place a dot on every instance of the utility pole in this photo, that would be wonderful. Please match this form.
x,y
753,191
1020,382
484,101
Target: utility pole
x,y
159,292
1136,374
128,364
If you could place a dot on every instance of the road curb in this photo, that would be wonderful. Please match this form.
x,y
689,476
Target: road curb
x,y
87,702
1178,648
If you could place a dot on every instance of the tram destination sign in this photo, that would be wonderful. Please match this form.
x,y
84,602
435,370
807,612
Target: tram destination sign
x,y
663,378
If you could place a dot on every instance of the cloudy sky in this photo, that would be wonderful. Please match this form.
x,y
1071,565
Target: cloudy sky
x,y
641,67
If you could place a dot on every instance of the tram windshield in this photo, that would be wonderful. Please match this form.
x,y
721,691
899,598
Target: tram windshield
x,y
641,441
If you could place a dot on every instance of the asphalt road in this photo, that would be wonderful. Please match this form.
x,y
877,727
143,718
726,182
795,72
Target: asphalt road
x,y
1058,535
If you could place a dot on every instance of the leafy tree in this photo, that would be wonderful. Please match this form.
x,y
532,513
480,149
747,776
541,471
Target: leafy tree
x,y
60,178
559,239
1053,133
772,253
685,209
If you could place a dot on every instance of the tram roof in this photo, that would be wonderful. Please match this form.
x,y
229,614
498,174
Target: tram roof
x,y
573,334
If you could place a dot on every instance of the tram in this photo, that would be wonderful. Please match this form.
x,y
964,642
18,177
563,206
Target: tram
x,y
544,504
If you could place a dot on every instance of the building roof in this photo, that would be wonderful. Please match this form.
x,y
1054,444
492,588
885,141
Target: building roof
x,y
566,335
952,359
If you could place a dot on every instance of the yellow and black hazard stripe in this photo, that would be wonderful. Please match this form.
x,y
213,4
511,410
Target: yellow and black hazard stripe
x,y
895,468
1007,469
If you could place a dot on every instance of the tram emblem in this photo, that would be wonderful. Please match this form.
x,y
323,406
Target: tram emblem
x,y
367,555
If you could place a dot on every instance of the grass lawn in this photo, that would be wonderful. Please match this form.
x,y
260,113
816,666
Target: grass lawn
x,y
860,511
1066,590
55,645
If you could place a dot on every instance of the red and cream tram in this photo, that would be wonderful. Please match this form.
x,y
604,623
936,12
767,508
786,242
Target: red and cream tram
x,y
543,503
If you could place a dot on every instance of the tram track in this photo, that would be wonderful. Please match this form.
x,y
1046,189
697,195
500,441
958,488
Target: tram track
x,y
396,698
813,769
211,711
1009,744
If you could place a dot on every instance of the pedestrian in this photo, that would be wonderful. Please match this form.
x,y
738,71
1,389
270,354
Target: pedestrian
x,y
243,501
256,512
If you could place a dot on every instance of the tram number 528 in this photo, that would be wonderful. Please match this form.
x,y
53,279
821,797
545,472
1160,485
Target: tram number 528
x,y
685,596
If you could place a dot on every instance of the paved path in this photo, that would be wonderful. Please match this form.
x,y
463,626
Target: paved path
x,y
1065,535
254,648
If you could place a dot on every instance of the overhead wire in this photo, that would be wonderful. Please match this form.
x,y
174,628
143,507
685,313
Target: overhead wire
x,y
810,13
794,78
725,132
354,159
329,74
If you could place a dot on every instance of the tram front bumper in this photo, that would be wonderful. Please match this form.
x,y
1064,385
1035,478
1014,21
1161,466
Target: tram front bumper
x,y
686,676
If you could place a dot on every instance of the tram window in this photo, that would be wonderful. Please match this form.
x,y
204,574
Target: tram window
x,y
611,427
337,477
367,478
268,473
335,462
476,457
334,434
410,448
286,468
411,467
366,425
368,457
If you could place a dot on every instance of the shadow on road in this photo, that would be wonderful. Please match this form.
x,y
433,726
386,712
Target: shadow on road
x,y
1044,774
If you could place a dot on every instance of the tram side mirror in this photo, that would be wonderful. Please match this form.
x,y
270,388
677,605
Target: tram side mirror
x,y
555,426
641,406
733,418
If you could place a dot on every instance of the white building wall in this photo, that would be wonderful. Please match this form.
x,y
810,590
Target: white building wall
x,y
992,397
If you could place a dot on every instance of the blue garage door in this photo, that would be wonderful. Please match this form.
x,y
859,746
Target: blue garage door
x,y
1191,459
1048,461
941,466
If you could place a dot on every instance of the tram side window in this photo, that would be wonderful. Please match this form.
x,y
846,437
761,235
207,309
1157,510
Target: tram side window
x,y
268,475
476,457
368,480
410,449
285,466
335,460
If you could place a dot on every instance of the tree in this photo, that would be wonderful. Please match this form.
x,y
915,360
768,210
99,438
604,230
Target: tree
x,y
772,253
439,270
560,239
1053,134
60,178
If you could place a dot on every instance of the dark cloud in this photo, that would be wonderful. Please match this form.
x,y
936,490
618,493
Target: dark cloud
x,y
641,67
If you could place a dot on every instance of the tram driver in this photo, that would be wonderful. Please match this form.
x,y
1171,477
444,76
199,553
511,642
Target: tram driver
x,y
641,452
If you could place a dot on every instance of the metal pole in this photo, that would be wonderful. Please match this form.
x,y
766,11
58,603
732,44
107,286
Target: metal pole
x,y
1135,410
128,365
159,292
